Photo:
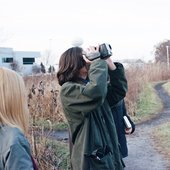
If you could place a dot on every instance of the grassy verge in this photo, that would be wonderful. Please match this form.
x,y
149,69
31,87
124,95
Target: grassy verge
x,y
48,125
167,87
162,139
161,134
53,154
148,105
50,153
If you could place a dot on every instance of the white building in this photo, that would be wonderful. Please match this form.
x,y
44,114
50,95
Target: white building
x,y
23,59
132,62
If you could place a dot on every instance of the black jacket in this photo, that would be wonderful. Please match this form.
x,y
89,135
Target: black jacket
x,y
118,111
117,91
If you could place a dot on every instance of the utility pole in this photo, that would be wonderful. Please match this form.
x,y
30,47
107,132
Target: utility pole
x,y
167,50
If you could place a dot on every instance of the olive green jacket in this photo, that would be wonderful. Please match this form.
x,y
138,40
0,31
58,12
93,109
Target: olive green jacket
x,y
94,138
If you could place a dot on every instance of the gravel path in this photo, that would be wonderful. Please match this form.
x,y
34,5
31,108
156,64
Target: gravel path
x,y
142,155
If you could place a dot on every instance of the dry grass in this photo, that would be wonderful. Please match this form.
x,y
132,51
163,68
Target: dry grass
x,y
43,98
46,112
138,78
162,139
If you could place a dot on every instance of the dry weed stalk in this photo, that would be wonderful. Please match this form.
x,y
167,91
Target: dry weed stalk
x,y
44,107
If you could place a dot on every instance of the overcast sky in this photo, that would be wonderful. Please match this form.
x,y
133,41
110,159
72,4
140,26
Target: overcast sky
x,y
132,27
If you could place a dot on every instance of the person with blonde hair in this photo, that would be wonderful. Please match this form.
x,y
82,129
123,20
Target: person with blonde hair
x,y
15,153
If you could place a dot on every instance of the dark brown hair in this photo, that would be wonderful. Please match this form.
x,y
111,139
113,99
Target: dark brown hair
x,y
71,61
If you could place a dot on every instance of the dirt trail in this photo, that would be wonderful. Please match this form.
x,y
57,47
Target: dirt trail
x,y
142,154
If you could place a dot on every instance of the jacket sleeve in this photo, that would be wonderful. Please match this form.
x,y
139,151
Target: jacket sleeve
x,y
87,97
118,86
19,158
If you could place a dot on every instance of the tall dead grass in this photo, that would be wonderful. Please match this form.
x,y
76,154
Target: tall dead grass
x,y
45,111
138,77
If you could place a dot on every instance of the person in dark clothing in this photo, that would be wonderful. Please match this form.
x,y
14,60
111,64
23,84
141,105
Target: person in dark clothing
x,y
118,111
118,107
91,124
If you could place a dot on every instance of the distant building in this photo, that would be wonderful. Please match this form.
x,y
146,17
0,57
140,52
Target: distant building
x,y
21,60
132,62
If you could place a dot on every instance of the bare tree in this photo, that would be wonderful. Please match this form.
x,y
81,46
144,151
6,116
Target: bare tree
x,y
45,58
15,66
161,51
42,68
36,69
51,69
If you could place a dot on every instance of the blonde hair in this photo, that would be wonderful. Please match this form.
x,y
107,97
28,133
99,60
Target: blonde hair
x,y
13,100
